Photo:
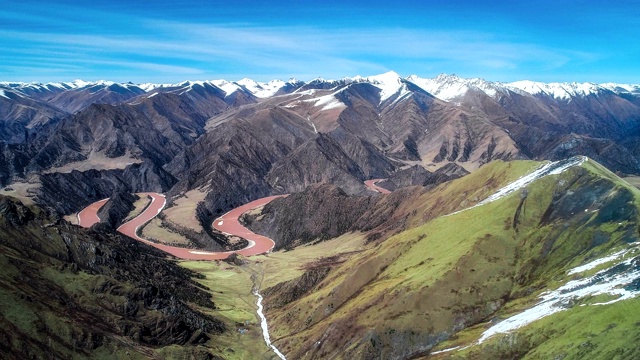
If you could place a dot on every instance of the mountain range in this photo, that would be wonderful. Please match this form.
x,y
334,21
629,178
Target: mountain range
x,y
426,269
353,129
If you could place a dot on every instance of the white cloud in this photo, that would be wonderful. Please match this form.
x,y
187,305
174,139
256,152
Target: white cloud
x,y
160,48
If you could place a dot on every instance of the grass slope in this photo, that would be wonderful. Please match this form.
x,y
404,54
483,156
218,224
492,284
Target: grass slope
x,y
420,287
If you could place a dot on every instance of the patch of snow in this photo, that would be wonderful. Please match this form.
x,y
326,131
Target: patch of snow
x,y
305,92
597,262
552,168
147,87
312,124
389,83
445,350
609,281
263,90
3,94
404,94
328,102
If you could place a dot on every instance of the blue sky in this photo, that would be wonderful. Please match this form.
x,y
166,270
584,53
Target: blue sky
x,y
171,41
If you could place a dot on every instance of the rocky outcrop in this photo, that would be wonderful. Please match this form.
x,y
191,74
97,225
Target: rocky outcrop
x,y
116,209
417,175
66,193
325,211
289,291
320,212
320,160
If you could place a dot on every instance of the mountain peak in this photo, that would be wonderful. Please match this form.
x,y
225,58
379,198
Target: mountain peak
x,y
389,76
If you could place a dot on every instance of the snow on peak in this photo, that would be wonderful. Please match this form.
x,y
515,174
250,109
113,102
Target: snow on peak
x,y
389,83
389,76
622,88
259,89
444,86
147,87
227,86
78,83
3,94
561,91
448,87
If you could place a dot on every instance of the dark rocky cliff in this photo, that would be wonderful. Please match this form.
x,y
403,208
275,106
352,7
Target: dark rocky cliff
x,y
116,209
68,291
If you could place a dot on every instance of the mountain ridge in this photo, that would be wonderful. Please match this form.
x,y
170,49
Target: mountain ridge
x,y
559,90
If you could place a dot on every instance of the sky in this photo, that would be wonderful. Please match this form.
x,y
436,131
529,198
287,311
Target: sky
x,y
170,41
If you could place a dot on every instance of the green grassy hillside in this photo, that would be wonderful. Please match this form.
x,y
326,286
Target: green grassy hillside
x,y
425,285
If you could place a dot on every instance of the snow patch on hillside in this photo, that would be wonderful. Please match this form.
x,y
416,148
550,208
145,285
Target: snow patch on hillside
x,y
612,281
551,168
595,263
328,102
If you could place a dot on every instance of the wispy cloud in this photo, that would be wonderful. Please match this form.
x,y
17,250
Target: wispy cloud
x,y
171,50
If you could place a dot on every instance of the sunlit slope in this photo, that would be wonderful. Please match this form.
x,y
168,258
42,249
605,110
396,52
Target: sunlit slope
x,y
418,288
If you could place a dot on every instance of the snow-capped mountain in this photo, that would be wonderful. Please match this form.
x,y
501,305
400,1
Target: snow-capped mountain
x,y
377,122
449,87
444,87
268,89
622,88
560,91
389,83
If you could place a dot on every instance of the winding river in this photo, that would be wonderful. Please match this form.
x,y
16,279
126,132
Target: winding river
x,y
228,224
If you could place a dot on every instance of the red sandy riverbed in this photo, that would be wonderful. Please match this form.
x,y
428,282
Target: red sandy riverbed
x,y
89,215
371,184
228,223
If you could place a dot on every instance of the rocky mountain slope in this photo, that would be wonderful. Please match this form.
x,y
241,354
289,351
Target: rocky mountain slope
x,y
21,117
242,140
68,292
